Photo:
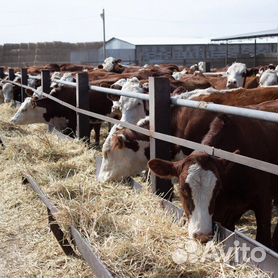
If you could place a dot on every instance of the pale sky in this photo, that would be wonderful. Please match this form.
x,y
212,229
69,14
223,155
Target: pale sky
x,y
80,21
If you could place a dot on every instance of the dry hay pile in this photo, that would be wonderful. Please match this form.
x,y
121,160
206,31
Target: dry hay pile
x,y
131,233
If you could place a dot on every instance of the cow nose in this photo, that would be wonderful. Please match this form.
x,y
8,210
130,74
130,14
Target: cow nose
x,y
231,84
203,238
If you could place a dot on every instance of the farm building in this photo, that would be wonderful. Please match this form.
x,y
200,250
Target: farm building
x,y
144,51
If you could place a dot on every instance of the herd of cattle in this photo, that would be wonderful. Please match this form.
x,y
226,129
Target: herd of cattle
x,y
211,189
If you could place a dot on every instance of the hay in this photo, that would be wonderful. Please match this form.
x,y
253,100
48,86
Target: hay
x,y
130,231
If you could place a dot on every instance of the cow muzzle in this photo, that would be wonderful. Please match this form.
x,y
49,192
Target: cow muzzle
x,y
231,84
203,238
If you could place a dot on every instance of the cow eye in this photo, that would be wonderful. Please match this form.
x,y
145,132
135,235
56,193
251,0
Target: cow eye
x,y
139,103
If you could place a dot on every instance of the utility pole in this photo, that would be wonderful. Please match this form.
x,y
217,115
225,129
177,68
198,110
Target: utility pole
x,y
102,15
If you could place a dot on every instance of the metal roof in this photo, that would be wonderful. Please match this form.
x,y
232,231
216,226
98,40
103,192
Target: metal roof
x,y
261,34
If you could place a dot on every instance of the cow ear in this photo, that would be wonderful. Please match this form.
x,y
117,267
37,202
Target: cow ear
x,y
118,142
113,97
164,169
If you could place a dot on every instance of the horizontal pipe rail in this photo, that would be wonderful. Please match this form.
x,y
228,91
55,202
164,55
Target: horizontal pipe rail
x,y
232,110
34,77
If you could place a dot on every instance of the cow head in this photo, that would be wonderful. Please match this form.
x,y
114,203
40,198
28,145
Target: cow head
x,y
199,184
132,109
236,75
29,113
55,75
125,153
268,78
113,65
8,94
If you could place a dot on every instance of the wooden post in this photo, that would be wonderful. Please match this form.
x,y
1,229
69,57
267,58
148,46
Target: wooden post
x,y
2,73
160,119
82,101
24,81
46,81
11,74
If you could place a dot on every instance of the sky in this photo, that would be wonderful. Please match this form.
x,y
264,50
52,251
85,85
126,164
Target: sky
x,y
80,20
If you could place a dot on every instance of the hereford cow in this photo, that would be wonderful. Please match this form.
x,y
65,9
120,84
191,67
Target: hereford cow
x,y
113,65
241,96
212,189
268,78
44,110
237,75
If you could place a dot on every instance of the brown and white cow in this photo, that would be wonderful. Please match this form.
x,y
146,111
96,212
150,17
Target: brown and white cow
x,y
113,65
44,110
212,189
269,78
236,74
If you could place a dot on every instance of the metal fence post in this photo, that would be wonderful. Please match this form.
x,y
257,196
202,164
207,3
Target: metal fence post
x,y
2,73
24,81
45,81
160,119
11,74
82,101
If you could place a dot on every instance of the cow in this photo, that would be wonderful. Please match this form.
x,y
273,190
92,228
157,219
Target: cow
x,y
213,189
74,68
66,76
132,109
191,124
236,75
177,75
112,65
241,96
44,110
12,92
7,90
268,78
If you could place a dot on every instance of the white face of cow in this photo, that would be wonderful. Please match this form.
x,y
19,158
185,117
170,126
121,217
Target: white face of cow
x,y
198,185
29,113
132,109
268,78
201,183
122,158
108,64
55,75
236,74
8,92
